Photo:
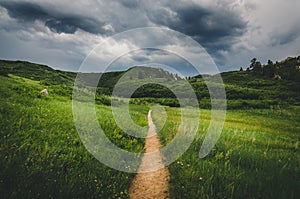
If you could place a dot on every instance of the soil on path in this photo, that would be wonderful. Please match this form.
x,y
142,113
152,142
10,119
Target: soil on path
x,y
153,184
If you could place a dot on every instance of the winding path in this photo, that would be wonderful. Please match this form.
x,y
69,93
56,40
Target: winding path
x,y
153,184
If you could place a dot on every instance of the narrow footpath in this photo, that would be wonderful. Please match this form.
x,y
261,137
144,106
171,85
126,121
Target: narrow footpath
x,y
147,185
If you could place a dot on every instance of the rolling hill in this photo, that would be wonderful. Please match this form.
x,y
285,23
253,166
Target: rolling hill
x,y
270,85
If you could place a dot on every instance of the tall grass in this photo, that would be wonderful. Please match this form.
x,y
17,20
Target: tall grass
x,y
41,154
257,156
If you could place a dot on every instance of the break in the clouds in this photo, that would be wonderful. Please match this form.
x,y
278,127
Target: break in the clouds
x,y
62,33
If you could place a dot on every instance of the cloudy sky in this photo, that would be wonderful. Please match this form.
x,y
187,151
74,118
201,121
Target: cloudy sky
x,y
62,33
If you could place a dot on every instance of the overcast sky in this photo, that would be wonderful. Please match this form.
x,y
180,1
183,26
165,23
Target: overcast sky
x,y
61,33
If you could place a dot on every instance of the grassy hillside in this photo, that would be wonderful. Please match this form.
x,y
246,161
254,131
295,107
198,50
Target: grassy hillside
x,y
36,72
244,89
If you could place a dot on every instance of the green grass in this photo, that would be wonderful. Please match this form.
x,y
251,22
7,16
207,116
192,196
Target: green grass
x,y
244,89
257,156
41,154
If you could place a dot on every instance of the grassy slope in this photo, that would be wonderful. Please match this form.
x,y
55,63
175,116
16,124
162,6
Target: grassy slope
x,y
41,154
37,72
244,89
257,156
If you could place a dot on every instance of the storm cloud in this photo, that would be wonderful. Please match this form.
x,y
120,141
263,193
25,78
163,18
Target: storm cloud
x,y
203,24
206,25
27,12
61,33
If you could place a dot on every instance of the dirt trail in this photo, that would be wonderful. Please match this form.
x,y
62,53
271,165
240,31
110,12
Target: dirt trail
x,y
151,184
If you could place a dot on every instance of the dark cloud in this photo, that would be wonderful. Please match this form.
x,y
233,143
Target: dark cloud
x,y
140,58
129,3
60,23
285,37
72,23
231,31
24,11
208,26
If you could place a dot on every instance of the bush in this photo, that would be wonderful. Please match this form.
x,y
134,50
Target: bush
x,y
105,100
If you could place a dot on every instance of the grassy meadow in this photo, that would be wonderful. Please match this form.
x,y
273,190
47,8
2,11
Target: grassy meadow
x,y
42,156
257,156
